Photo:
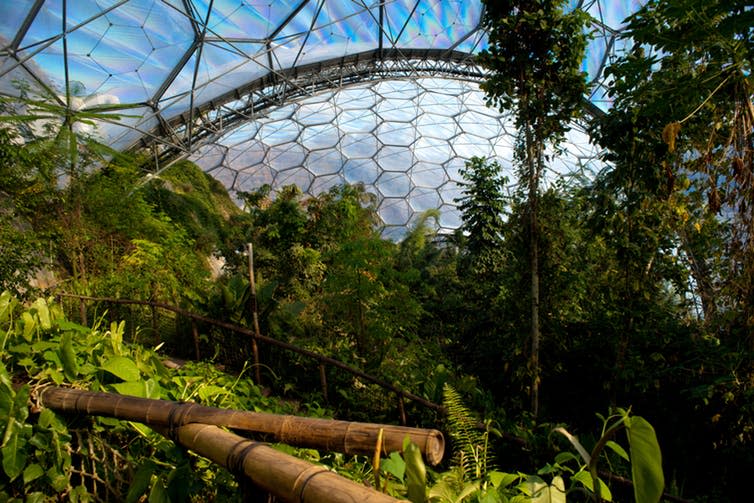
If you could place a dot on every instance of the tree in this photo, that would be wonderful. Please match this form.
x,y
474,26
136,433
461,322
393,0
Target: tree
x,y
707,126
482,208
680,142
25,189
535,55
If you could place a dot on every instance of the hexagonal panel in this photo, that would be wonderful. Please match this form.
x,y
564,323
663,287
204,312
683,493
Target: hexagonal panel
x,y
355,146
210,157
395,211
253,178
421,199
468,145
398,110
396,133
427,174
392,184
324,183
278,132
395,158
313,113
361,171
436,126
451,192
431,150
324,162
450,217
357,121
283,156
319,137
247,154
294,176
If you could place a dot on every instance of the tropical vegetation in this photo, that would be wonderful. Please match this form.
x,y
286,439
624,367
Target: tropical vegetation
x,y
589,340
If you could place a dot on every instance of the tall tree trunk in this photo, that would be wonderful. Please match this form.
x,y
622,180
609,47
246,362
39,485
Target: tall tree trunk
x,y
702,278
533,156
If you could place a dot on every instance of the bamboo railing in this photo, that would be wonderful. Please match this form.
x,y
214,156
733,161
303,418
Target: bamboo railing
x,y
324,434
322,360
286,477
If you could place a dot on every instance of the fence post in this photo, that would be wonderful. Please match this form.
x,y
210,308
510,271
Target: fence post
x,y
195,333
402,409
153,308
323,380
254,314
82,312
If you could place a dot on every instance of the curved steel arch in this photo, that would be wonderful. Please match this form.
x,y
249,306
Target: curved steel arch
x,y
218,116
193,128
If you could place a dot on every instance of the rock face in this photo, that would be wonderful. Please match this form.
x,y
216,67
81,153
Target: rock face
x,y
216,265
44,279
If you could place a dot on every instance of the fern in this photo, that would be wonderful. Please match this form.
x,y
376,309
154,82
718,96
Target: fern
x,y
471,448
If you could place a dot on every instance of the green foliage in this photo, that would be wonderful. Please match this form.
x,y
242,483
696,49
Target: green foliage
x,y
195,201
41,347
26,186
646,271
535,54
697,135
482,210
646,461
471,447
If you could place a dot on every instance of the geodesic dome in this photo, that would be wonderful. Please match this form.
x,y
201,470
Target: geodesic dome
x,y
312,92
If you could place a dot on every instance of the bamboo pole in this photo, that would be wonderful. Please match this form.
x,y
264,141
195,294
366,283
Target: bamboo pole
x,y
324,434
286,477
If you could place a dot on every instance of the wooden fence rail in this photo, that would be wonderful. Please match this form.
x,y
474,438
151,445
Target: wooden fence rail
x,y
322,360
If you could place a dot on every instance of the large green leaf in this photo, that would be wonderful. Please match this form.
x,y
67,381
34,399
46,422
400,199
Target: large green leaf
x,y
140,482
394,465
131,388
646,466
179,482
416,473
68,357
586,480
43,313
159,493
20,409
502,479
122,367
620,451
14,454
29,325
32,472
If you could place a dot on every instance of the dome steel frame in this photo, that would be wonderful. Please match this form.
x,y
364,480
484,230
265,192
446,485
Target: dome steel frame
x,y
182,75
